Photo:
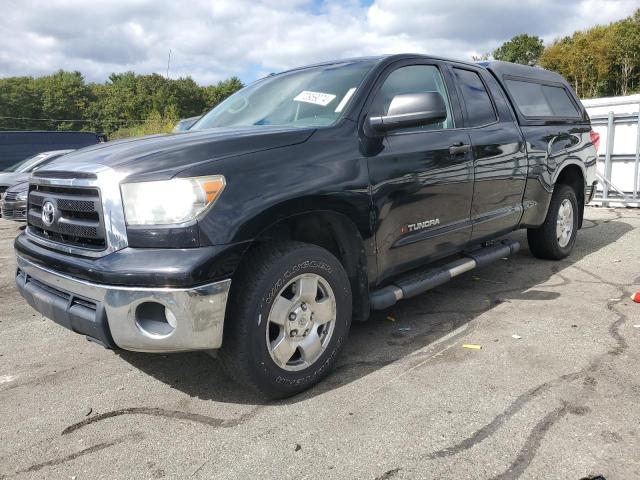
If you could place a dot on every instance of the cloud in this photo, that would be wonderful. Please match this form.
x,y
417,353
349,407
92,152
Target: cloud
x,y
213,39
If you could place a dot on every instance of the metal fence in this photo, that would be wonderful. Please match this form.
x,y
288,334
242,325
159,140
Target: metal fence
x,y
619,154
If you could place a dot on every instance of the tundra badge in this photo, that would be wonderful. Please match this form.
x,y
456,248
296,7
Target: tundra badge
x,y
412,227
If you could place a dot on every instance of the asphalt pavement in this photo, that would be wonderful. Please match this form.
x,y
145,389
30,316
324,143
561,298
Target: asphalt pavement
x,y
553,392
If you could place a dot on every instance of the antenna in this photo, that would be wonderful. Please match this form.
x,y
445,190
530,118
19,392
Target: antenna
x,y
168,64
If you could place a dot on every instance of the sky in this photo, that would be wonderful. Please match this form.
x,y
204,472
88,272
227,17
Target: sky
x,y
211,40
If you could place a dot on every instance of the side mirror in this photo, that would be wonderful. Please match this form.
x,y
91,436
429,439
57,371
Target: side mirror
x,y
411,110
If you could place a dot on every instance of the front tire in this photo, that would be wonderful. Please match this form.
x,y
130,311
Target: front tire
x,y
289,315
555,238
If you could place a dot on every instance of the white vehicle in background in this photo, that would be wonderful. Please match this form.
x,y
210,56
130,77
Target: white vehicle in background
x,y
21,171
617,120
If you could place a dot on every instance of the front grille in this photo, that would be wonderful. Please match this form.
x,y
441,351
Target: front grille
x,y
77,217
14,213
11,196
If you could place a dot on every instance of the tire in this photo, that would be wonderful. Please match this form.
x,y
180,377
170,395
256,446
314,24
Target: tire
x,y
256,345
545,241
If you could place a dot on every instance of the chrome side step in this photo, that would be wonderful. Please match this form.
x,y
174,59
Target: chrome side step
x,y
416,283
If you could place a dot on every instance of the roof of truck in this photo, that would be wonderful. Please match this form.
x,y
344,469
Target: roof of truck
x,y
377,59
498,68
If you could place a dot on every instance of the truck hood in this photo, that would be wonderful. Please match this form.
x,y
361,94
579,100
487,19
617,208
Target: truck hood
x,y
163,156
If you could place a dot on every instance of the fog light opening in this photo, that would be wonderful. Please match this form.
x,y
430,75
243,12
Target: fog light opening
x,y
155,319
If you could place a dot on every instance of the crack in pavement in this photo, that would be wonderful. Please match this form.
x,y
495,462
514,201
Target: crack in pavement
x,y
388,474
161,412
527,453
531,445
94,448
44,378
489,429
534,440
614,328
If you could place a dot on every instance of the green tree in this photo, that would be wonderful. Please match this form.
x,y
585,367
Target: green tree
x,y
523,48
64,95
214,94
626,51
154,123
187,96
19,99
601,61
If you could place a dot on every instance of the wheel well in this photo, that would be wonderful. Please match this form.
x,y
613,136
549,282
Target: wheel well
x,y
337,234
572,175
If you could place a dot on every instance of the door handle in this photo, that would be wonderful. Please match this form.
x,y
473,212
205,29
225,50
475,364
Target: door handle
x,y
459,148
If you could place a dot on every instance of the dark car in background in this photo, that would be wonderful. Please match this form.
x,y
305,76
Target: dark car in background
x,y
21,171
16,146
13,205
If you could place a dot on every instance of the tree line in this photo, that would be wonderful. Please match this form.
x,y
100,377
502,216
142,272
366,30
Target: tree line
x,y
126,104
601,61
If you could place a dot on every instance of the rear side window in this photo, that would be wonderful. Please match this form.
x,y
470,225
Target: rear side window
x,y
480,109
538,100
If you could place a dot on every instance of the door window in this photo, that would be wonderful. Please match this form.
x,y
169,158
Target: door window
x,y
480,109
414,79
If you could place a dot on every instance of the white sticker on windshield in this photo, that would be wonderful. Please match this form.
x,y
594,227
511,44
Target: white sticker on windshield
x,y
345,99
317,98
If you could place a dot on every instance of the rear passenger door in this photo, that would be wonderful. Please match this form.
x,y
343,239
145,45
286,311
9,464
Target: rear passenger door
x,y
500,160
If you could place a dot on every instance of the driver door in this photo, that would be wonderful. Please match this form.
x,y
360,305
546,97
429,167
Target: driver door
x,y
421,177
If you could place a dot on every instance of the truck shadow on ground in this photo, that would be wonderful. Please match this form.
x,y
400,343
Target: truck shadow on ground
x,y
400,331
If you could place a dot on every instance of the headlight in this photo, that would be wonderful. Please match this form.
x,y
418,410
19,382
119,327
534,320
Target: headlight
x,y
22,196
169,202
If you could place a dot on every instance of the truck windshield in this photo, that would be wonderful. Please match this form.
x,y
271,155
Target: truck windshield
x,y
310,97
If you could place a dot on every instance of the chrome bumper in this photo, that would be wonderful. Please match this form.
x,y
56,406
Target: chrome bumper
x,y
116,312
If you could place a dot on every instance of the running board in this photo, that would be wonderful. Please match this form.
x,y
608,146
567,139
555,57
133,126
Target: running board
x,y
416,283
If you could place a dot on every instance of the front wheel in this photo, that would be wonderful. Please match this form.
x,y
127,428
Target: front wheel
x,y
289,315
555,238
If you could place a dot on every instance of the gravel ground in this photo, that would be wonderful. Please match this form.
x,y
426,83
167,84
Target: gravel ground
x,y
560,401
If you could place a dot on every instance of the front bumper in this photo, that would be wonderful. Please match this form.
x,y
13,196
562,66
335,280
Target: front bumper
x,y
14,210
131,318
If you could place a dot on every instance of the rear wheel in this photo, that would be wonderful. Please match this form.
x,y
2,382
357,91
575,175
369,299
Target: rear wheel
x,y
289,315
555,238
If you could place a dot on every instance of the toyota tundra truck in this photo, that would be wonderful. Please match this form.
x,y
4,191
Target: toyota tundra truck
x,y
302,203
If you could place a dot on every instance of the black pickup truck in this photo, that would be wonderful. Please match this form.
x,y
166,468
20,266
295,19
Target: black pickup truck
x,y
304,201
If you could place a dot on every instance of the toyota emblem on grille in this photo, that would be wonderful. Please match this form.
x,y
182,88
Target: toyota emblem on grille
x,y
48,213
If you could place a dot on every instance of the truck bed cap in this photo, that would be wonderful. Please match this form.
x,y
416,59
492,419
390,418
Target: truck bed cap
x,y
501,69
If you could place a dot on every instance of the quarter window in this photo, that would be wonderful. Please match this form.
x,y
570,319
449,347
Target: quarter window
x,y
414,79
538,100
479,107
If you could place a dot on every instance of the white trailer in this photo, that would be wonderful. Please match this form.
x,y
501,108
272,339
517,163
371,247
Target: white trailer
x,y
617,120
